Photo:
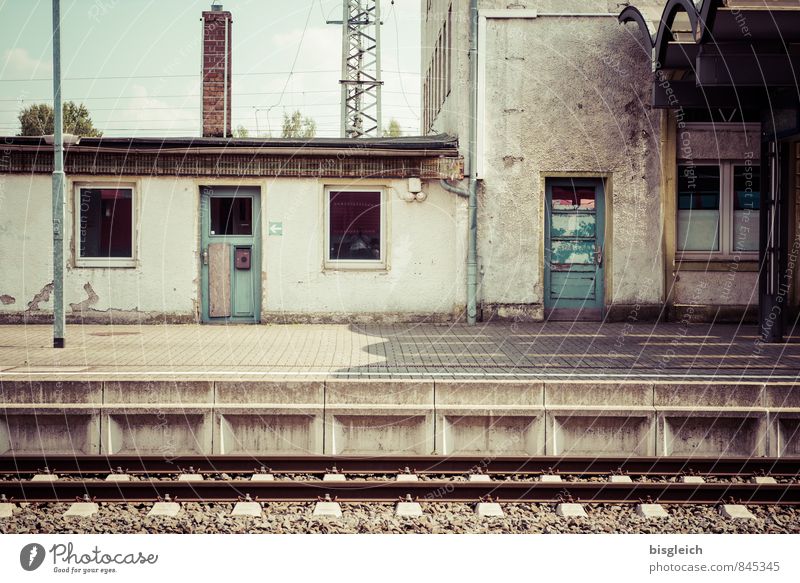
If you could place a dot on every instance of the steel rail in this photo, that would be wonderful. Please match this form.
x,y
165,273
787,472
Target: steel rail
x,y
392,490
579,466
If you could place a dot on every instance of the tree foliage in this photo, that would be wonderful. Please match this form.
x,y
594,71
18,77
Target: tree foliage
x,y
37,120
241,132
297,126
393,130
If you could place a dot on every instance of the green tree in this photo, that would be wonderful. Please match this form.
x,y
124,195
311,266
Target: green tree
x,y
393,130
297,126
241,132
37,120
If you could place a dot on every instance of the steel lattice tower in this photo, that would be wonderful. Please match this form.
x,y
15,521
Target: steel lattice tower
x,y
361,69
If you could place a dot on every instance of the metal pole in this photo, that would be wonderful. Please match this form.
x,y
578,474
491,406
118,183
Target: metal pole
x,y
378,104
345,55
58,186
472,251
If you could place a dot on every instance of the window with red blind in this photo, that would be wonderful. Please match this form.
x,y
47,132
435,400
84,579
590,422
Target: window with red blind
x,y
354,226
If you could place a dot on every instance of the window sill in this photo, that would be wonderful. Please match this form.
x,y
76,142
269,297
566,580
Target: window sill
x,y
347,266
105,263
747,262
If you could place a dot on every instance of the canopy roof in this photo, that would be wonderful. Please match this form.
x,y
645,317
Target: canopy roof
x,y
726,53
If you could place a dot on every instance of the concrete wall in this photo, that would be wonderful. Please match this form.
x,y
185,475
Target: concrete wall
x,y
414,417
566,95
424,248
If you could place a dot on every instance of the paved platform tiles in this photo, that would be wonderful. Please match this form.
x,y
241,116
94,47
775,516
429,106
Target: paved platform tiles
x,y
546,350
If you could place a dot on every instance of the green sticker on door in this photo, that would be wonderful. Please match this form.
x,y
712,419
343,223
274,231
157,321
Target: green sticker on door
x,y
275,229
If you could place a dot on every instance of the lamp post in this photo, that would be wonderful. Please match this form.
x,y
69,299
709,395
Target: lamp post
x,y
58,186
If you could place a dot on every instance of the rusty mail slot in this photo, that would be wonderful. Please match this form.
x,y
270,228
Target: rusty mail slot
x,y
242,258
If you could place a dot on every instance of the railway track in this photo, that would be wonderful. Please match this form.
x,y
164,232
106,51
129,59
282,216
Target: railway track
x,y
392,490
451,465
506,479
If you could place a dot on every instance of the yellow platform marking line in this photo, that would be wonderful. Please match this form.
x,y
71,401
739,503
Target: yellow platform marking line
x,y
732,343
564,335
785,337
587,355
645,355
656,335
47,369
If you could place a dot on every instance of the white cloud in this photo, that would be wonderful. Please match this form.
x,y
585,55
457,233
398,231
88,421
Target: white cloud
x,y
140,114
18,63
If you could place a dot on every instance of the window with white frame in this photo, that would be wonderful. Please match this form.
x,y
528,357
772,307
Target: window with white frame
x,y
355,227
718,209
104,225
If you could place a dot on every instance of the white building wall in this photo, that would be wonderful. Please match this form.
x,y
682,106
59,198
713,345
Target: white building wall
x,y
563,94
567,95
162,283
422,280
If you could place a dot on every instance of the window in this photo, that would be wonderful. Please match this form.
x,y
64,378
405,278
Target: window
x,y
718,208
448,62
231,216
355,228
437,81
105,225
746,207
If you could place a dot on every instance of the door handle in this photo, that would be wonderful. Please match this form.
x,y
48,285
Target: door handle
x,y
205,256
598,255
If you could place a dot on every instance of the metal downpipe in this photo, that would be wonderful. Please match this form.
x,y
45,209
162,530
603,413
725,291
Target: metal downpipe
x,y
472,252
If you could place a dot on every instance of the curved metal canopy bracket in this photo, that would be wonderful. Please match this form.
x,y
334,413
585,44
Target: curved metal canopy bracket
x,y
665,26
707,13
632,14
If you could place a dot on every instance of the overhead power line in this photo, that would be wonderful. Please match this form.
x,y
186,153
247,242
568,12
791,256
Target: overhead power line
x,y
187,76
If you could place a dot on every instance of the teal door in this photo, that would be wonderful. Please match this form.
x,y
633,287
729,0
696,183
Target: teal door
x,y
574,266
230,239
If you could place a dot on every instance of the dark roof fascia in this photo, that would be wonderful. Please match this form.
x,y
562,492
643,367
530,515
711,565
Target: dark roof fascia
x,y
417,146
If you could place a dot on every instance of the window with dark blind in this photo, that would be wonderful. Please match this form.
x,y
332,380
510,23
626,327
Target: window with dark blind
x,y
355,226
105,223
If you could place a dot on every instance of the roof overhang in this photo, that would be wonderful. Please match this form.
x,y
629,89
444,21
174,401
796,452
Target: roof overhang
x,y
430,157
723,53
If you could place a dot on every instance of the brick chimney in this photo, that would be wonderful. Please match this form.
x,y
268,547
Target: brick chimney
x,y
216,90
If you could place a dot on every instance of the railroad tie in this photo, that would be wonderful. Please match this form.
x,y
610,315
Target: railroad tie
x,y
408,508
327,508
651,511
165,507
736,512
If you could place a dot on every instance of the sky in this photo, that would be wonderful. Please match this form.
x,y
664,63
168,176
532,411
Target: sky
x,y
136,63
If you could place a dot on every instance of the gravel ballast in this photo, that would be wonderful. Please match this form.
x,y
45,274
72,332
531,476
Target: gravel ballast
x,y
296,518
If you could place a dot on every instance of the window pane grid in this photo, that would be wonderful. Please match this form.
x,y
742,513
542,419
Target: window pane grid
x,y
698,208
717,209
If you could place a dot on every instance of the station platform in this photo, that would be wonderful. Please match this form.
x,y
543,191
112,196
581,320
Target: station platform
x,y
495,389
501,351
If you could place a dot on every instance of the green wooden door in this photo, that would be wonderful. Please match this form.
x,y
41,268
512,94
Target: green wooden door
x,y
230,237
574,266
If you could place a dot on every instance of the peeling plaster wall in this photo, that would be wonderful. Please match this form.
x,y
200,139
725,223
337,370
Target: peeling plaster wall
x,y
422,281
575,103
160,284
563,95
